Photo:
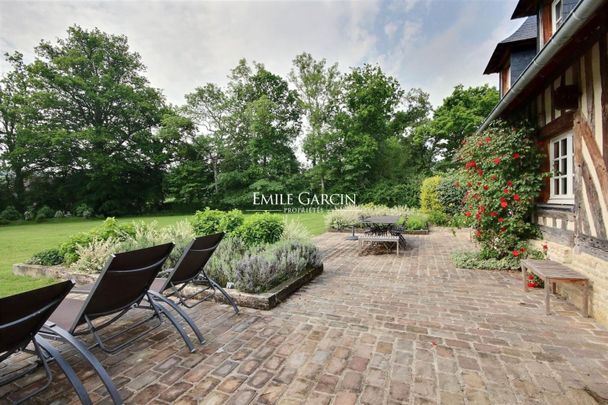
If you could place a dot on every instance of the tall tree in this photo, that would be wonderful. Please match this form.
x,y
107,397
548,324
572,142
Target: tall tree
x,y
16,118
459,115
101,108
265,123
319,88
210,107
370,102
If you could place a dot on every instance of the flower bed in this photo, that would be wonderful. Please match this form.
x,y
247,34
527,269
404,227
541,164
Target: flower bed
x,y
259,253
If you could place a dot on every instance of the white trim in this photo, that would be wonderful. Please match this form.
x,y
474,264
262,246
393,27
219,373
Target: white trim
x,y
568,177
555,21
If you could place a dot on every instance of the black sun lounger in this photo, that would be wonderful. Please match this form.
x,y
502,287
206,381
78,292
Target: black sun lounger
x,y
190,269
21,318
122,286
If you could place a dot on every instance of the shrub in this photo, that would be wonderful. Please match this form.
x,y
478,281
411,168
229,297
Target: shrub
x,y
44,213
260,228
109,229
150,234
342,218
429,200
94,255
478,260
4,221
473,260
10,214
225,259
83,210
231,221
49,257
416,221
503,177
59,214
262,270
294,230
439,218
208,221
393,194
450,194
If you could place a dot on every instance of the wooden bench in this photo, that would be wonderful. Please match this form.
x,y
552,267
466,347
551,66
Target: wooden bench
x,y
552,272
380,239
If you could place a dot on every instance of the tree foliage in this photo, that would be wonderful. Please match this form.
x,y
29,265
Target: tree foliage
x,y
81,126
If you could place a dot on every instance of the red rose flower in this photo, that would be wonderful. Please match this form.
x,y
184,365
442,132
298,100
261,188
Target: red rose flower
x,y
482,209
488,139
531,277
478,216
467,214
506,191
496,160
485,187
480,172
516,155
545,247
493,177
532,285
470,164
501,220
493,213
509,183
504,204
516,253
516,197
523,249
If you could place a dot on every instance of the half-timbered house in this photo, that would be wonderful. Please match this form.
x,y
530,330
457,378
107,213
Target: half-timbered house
x,y
554,70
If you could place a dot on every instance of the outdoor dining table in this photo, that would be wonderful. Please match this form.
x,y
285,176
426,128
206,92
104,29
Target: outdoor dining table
x,y
382,220
383,229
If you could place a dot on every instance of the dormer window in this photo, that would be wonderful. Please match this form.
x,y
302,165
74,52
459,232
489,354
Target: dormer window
x,y
556,14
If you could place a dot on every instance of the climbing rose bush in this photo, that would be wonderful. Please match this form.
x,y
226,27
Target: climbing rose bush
x,y
502,177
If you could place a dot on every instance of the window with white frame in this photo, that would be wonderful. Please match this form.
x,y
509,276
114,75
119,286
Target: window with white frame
x,y
562,177
556,14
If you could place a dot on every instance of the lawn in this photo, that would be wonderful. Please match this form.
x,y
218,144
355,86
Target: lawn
x,y
19,242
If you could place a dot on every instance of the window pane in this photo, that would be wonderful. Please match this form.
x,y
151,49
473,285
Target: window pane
x,y
556,167
564,185
564,148
556,186
564,166
556,150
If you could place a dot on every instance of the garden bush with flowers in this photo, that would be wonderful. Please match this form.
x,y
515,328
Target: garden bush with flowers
x,y
501,177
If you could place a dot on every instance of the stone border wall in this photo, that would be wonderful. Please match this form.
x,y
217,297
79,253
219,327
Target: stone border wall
x,y
265,301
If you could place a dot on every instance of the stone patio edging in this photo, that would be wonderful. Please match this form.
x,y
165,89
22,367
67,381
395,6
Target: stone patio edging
x,y
273,297
58,272
265,301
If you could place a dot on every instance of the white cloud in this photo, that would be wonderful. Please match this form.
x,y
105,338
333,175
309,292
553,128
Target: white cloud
x,y
185,43
188,43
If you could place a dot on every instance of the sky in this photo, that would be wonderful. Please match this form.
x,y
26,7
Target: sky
x,y
430,44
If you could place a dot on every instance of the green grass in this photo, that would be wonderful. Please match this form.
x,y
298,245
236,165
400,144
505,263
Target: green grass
x,y
19,242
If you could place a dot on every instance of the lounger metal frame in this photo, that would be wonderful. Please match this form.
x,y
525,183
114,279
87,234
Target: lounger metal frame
x,y
198,276
86,318
42,349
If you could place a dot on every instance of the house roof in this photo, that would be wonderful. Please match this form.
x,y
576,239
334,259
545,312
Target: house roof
x,y
526,33
582,21
525,8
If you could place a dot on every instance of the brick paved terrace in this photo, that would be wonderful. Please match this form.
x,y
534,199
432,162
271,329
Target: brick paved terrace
x,y
372,329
